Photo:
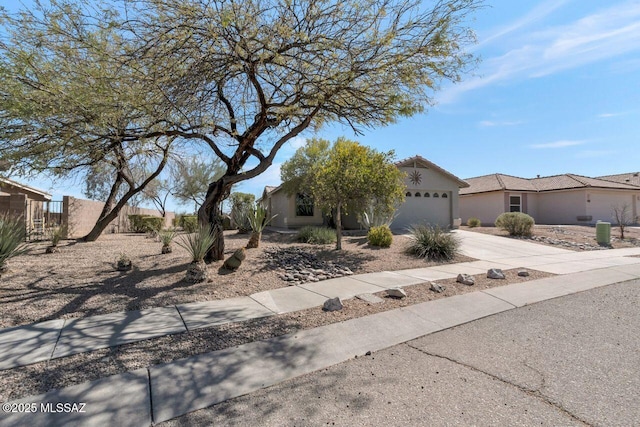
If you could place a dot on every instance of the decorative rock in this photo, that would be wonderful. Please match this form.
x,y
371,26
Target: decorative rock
x,y
495,273
370,298
465,279
235,260
197,272
523,273
332,304
396,293
302,266
435,287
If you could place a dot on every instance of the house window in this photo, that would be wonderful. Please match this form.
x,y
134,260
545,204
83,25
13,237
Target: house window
x,y
304,205
444,195
427,194
408,194
514,204
436,195
418,194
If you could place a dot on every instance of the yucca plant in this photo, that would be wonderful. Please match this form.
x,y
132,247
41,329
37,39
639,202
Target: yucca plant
x,y
198,244
166,237
257,219
432,243
12,235
57,233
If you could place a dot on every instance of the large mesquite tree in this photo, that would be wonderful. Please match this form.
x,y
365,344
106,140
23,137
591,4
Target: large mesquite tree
x,y
75,102
261,72
241,76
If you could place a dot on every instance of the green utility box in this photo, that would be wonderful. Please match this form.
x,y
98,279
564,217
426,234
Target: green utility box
x,y
603,233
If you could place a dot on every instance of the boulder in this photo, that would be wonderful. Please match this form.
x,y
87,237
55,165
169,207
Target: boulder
x,y
523,273
465,279
396,293
197,272
435,287
370,298
495,273
332,304
235,260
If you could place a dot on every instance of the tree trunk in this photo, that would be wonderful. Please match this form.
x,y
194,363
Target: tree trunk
x,y
108,213
338,227
211,213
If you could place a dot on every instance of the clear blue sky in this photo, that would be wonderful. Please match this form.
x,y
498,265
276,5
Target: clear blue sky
x,y
557,91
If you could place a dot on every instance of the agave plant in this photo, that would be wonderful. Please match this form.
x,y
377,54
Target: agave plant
x,y
257,219
12,234
377,216
198,244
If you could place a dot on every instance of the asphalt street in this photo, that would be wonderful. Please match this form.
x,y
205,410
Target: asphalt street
x,y
573,360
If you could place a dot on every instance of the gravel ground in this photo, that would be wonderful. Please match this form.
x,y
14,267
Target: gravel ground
x,y
41,377
573,234
81,280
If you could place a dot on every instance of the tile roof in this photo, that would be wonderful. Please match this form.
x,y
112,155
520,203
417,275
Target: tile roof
x,y
501,182
632,178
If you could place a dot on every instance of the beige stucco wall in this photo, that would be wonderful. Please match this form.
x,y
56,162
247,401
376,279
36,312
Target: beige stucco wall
x,y
600,204
561,207
285,207
484,206
80,215
428,210
554,207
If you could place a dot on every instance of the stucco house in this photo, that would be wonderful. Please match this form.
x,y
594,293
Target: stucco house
x,y
21,201
558,199
431,198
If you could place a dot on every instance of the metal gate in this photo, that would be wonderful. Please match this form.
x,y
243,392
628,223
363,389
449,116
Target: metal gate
x,y
41,218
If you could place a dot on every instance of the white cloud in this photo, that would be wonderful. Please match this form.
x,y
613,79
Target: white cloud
x,y
536,14
609,33
558,144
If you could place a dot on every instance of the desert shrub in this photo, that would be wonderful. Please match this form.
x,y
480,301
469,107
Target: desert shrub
x,y
152,224
135,223
198,243
241,207
380,236
474,222
516,223
12,234
316,235
189,223
145,223
432,243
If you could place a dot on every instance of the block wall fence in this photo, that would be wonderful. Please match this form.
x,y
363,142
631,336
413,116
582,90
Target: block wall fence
x,y
80,215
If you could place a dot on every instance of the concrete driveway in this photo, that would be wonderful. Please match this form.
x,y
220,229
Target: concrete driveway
x,y
567,361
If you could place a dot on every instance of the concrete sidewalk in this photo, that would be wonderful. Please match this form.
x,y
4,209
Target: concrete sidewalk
x,y
166,391
24,345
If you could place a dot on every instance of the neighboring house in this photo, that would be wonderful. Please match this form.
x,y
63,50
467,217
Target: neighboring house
x,y
559,199
431,198
28,203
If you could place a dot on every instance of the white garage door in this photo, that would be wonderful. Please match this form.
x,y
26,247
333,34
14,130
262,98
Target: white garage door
x,y
424,210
